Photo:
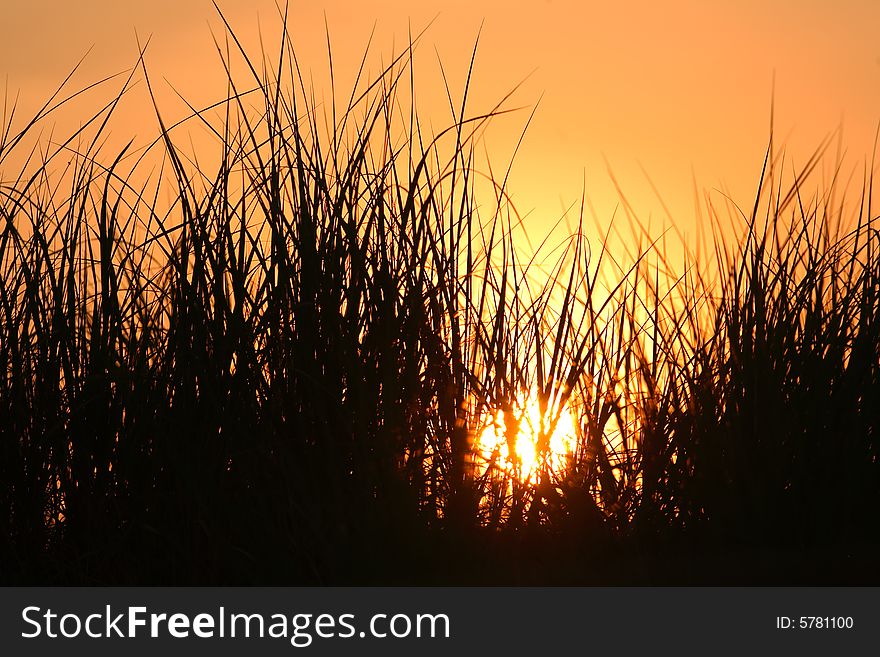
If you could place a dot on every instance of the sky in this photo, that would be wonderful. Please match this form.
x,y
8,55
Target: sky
x,y
676,91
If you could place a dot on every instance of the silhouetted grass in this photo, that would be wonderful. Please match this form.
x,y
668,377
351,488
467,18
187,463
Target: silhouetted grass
x,y
279,375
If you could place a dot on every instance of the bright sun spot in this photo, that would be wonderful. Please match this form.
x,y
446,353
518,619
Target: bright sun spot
x,y
523,429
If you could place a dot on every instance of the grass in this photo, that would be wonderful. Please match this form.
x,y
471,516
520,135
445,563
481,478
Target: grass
x,y
278,375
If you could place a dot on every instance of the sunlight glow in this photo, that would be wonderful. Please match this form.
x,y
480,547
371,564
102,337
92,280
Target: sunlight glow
x,y
520,441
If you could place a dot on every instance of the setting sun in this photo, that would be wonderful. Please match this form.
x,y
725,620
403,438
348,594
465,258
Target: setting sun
x,y
519,440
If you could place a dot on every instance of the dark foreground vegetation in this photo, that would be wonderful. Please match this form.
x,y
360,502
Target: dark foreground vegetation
x,y
278,376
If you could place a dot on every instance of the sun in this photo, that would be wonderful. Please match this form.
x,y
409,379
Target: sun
x,y
511,439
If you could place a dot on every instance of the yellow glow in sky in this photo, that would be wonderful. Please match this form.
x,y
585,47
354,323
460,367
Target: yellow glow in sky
x,y
678,89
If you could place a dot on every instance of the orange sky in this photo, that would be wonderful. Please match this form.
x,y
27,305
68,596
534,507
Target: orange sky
x,y
674,87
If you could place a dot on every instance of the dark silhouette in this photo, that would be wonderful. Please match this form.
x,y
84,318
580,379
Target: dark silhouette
x,y
278,378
